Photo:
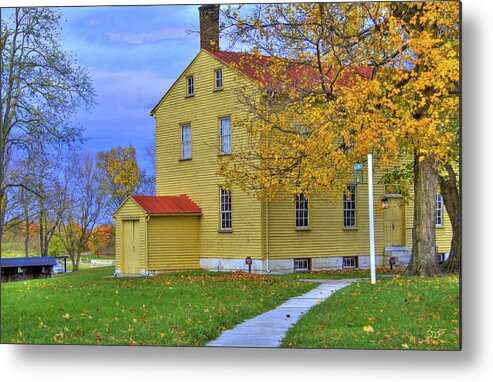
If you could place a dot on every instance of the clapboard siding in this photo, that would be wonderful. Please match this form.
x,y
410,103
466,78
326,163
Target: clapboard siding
x,y
129,211
326,235
197,177
173,243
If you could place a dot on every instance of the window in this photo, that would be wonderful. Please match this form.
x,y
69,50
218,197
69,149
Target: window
x,y
439,220
190,86
440,258
301,211
225,135
186,142
350,262
301,265
225,210
350,207
218,76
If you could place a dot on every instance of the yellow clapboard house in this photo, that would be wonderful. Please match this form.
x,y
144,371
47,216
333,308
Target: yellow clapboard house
x,y
194,223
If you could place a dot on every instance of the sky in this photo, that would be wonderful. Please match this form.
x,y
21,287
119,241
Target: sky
x,y
134,54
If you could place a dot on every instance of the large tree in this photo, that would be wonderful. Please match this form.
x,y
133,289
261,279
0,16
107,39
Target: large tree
x,y
340,80
120,173
41,89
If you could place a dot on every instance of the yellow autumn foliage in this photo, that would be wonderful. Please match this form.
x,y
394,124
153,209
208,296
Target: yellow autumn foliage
x,y
339,81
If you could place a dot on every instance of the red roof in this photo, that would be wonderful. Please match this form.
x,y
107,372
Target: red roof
x,y
167,204
248,64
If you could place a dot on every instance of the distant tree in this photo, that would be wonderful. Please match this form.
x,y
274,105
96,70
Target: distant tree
x,y
45,196
101,239
41,87
120,175
86,210
56,247
148,183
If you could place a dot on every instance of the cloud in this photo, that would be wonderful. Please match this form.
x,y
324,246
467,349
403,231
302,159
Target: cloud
x,y
144,37
130,89
124,101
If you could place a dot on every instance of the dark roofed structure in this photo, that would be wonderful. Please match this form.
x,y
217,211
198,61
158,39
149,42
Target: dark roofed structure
x,y
30,268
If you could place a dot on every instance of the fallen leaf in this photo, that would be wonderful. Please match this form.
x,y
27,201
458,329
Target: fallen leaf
x,y
368,328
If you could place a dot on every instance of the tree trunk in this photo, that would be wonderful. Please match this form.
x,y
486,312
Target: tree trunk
x,y
41,234
451,199
2,208
75,262
26,243
423,259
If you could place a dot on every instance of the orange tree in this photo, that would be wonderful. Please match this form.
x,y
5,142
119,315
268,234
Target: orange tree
x,y
340,80
102,238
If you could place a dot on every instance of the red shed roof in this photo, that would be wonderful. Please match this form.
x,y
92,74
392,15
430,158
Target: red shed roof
x,y
167,204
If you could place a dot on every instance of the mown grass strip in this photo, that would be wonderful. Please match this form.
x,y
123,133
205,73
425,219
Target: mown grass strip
x,y
175,309
398,313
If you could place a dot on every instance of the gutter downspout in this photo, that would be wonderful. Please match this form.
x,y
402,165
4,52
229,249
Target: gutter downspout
x,y
267,219
267,236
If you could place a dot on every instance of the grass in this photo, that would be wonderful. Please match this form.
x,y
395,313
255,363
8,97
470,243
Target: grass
x,y
177,309
398,313
337,274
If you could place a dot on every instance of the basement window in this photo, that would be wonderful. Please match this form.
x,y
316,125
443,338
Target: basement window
x,y
349,262
301,265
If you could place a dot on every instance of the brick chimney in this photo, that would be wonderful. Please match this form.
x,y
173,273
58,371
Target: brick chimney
x,y
209,26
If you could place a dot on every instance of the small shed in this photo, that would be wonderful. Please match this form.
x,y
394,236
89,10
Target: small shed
x,y
26,268
156,234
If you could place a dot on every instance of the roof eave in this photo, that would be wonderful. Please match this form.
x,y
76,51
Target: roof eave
x,y
150,214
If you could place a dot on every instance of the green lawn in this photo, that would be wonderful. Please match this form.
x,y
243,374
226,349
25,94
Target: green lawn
x,y
182,309
399,313
338,274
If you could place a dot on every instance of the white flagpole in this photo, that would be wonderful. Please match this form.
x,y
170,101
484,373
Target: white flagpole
x,y
372,222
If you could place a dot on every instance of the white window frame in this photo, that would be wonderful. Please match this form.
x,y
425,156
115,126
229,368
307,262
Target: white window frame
x,y
440,258
225,210
301,212
225,135
349,262
218,79
301,265
186,142
439,211
349,207
190,86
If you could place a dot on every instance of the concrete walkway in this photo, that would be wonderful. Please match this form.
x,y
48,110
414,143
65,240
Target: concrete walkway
x,y
268,329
